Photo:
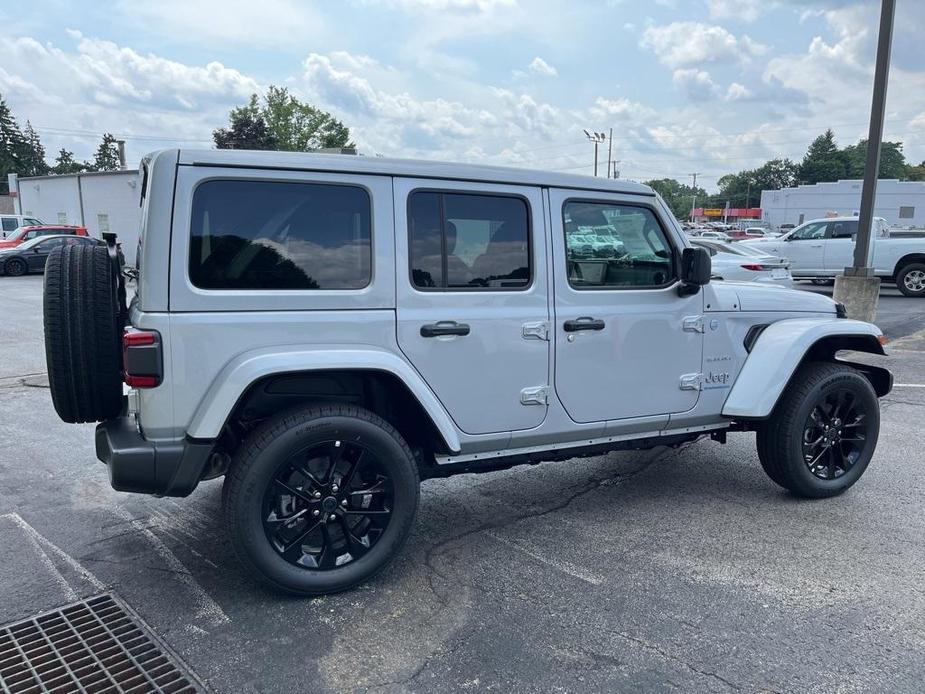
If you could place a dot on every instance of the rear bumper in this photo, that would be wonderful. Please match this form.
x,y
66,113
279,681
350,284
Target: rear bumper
x,y
148,467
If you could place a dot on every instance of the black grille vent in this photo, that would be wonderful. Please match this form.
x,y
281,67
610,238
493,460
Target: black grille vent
x,y
95,645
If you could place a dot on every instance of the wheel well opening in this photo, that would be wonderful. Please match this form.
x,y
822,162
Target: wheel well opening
x,y
378,391
906,260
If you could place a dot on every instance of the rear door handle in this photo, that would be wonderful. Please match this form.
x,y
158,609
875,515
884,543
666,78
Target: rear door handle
x,y
444,328
816,245
583,323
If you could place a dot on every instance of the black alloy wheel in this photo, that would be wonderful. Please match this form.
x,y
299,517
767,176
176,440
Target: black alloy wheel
x,y
835,434
328,505
320,498
822,434
14,267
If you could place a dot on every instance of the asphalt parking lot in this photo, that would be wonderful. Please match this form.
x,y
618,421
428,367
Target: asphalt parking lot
x,y
669,570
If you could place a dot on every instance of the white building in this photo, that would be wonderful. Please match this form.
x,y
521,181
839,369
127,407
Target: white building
x,y
901,203
104,201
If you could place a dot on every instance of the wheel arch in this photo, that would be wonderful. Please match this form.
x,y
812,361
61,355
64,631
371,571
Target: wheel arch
x,y
784,346
906,260
258,384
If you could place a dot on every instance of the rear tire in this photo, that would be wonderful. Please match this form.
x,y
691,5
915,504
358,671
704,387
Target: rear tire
x,y
822,282
823,431
83,336
15,267
320,499
910,280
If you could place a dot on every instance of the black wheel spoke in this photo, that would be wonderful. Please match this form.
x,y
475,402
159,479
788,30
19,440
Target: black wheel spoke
x,y
292,550
328,505
293,491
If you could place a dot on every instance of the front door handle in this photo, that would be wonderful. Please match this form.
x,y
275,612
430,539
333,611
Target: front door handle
x,y
583,323
816,245
444,328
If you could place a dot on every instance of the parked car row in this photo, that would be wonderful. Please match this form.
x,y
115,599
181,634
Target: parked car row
x,y
31,255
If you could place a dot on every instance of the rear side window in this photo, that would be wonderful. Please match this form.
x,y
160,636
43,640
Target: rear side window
x,y
10,223
615,246
274,235
468,241
843,230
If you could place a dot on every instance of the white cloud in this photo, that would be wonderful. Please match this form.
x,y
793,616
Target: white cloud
x,y
737,91
745,10
444,5
682,44
697,84
541,67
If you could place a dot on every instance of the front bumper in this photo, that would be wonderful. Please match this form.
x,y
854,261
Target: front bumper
x,y
149,467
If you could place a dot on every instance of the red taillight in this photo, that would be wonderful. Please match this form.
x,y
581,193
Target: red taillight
x,y
753,267
141,358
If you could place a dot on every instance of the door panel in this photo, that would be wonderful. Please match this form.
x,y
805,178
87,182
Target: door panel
x,y
462,312
839,245
620,350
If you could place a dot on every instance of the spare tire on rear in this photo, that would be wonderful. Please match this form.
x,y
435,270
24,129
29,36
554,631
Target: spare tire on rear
x,y
83,333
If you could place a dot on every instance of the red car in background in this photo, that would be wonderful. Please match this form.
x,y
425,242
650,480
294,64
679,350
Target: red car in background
x,y
28,233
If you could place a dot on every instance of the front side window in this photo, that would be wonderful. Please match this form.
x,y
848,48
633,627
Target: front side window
x,y
275,235
468,241
809,232
614,245
10,223
47,246
29,221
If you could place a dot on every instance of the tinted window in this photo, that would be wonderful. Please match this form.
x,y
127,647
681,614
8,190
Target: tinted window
x,y
843,230
463,241
46,246
614,245
269,235
31,221
10,223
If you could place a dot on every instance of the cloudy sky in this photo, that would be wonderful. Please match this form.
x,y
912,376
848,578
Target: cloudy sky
x,y
687,85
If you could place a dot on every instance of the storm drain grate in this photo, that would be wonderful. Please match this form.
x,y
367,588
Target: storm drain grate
x,y
92,646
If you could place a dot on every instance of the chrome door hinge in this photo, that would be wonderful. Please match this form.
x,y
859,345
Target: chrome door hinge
x,y
538,395
693,324
537,330
690,382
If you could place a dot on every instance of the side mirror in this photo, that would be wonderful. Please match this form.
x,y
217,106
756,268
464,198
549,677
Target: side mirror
x,y
696,269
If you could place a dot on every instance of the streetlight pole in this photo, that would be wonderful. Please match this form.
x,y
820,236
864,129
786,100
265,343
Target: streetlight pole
x,y
858,288
597,138
609,152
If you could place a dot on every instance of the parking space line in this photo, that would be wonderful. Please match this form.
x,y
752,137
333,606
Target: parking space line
x,y
536,553
909,385
41,543
206,605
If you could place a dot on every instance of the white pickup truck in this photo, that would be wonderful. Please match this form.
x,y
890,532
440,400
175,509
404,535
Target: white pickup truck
x,y
823,248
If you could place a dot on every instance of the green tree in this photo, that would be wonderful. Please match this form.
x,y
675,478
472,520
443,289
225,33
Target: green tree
x,y
33,163
743,189
915,173
106,157
66,164
12,142
247,129
677,195
823,160
281,122
892,160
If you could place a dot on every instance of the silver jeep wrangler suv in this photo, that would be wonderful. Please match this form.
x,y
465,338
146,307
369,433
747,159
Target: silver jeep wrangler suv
x,y
325,331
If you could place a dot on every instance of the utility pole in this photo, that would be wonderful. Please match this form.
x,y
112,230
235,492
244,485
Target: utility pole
x,y
609,152
858,289
616,171
694,194
748,194
597,138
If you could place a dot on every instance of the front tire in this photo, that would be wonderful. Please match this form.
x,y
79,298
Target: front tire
x,y
823,432
321,498
821,282
910,280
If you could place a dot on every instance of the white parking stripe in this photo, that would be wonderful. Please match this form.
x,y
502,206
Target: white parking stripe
x,y
909,385
537,553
